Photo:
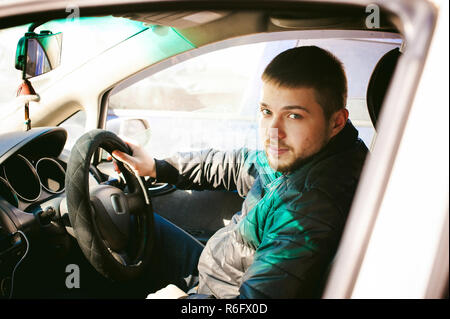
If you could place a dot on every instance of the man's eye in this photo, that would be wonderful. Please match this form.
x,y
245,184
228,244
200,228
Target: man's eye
x,y
265,112
295,116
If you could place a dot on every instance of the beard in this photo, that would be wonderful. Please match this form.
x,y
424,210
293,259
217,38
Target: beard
x,y
289,161
289,164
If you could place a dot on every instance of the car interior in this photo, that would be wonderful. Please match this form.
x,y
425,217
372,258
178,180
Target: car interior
x,y
43,191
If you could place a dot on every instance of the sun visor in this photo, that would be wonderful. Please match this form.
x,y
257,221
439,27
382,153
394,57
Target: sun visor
x,y
179,20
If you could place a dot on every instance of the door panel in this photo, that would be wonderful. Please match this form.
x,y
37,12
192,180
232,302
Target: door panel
x,y
200,213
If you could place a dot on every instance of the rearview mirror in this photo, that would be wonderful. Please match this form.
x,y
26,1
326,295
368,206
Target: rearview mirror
x,y
37,54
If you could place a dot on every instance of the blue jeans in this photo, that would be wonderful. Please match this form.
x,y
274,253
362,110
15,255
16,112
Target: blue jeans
x,y
174,258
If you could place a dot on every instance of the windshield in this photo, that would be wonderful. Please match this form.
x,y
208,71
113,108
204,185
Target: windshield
x,y
83,39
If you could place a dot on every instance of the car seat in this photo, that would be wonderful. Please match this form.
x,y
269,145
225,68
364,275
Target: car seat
x,y
379,83
376,92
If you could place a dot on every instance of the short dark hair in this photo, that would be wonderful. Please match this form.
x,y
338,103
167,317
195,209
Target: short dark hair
x,y
312,67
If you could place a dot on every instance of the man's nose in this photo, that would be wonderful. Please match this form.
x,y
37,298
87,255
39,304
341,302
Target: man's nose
x,y
276,129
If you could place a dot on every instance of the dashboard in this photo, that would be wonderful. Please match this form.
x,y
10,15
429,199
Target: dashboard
x,y
33,166
32,187
30,171
30,174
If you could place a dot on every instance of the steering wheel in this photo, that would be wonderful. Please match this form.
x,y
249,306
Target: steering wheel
x,y
114,229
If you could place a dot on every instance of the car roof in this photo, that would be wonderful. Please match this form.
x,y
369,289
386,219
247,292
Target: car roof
x,y
277,15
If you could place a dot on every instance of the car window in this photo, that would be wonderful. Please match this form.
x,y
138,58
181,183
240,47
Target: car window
x,y
75,127
212,95
212,100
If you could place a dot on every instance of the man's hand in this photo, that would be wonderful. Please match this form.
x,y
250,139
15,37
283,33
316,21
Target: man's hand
x,y
142,162
169,292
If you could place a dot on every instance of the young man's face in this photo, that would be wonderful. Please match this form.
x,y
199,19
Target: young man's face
x,y
292,125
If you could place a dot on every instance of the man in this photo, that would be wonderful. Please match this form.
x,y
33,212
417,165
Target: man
x,y
298,191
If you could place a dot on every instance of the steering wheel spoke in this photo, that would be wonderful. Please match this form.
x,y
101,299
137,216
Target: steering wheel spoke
x,y
135,204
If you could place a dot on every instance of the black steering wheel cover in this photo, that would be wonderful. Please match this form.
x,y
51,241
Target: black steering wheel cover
x,y
81,215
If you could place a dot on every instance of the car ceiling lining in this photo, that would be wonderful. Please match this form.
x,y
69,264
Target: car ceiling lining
x,y
281,14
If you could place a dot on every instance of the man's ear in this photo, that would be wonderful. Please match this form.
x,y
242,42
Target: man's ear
x,y
338,121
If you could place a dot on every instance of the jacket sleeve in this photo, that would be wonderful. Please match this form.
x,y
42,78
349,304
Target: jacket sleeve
x,y
208,170
296,250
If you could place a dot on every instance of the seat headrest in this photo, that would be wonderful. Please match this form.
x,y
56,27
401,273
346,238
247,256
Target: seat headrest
x,y
379,82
